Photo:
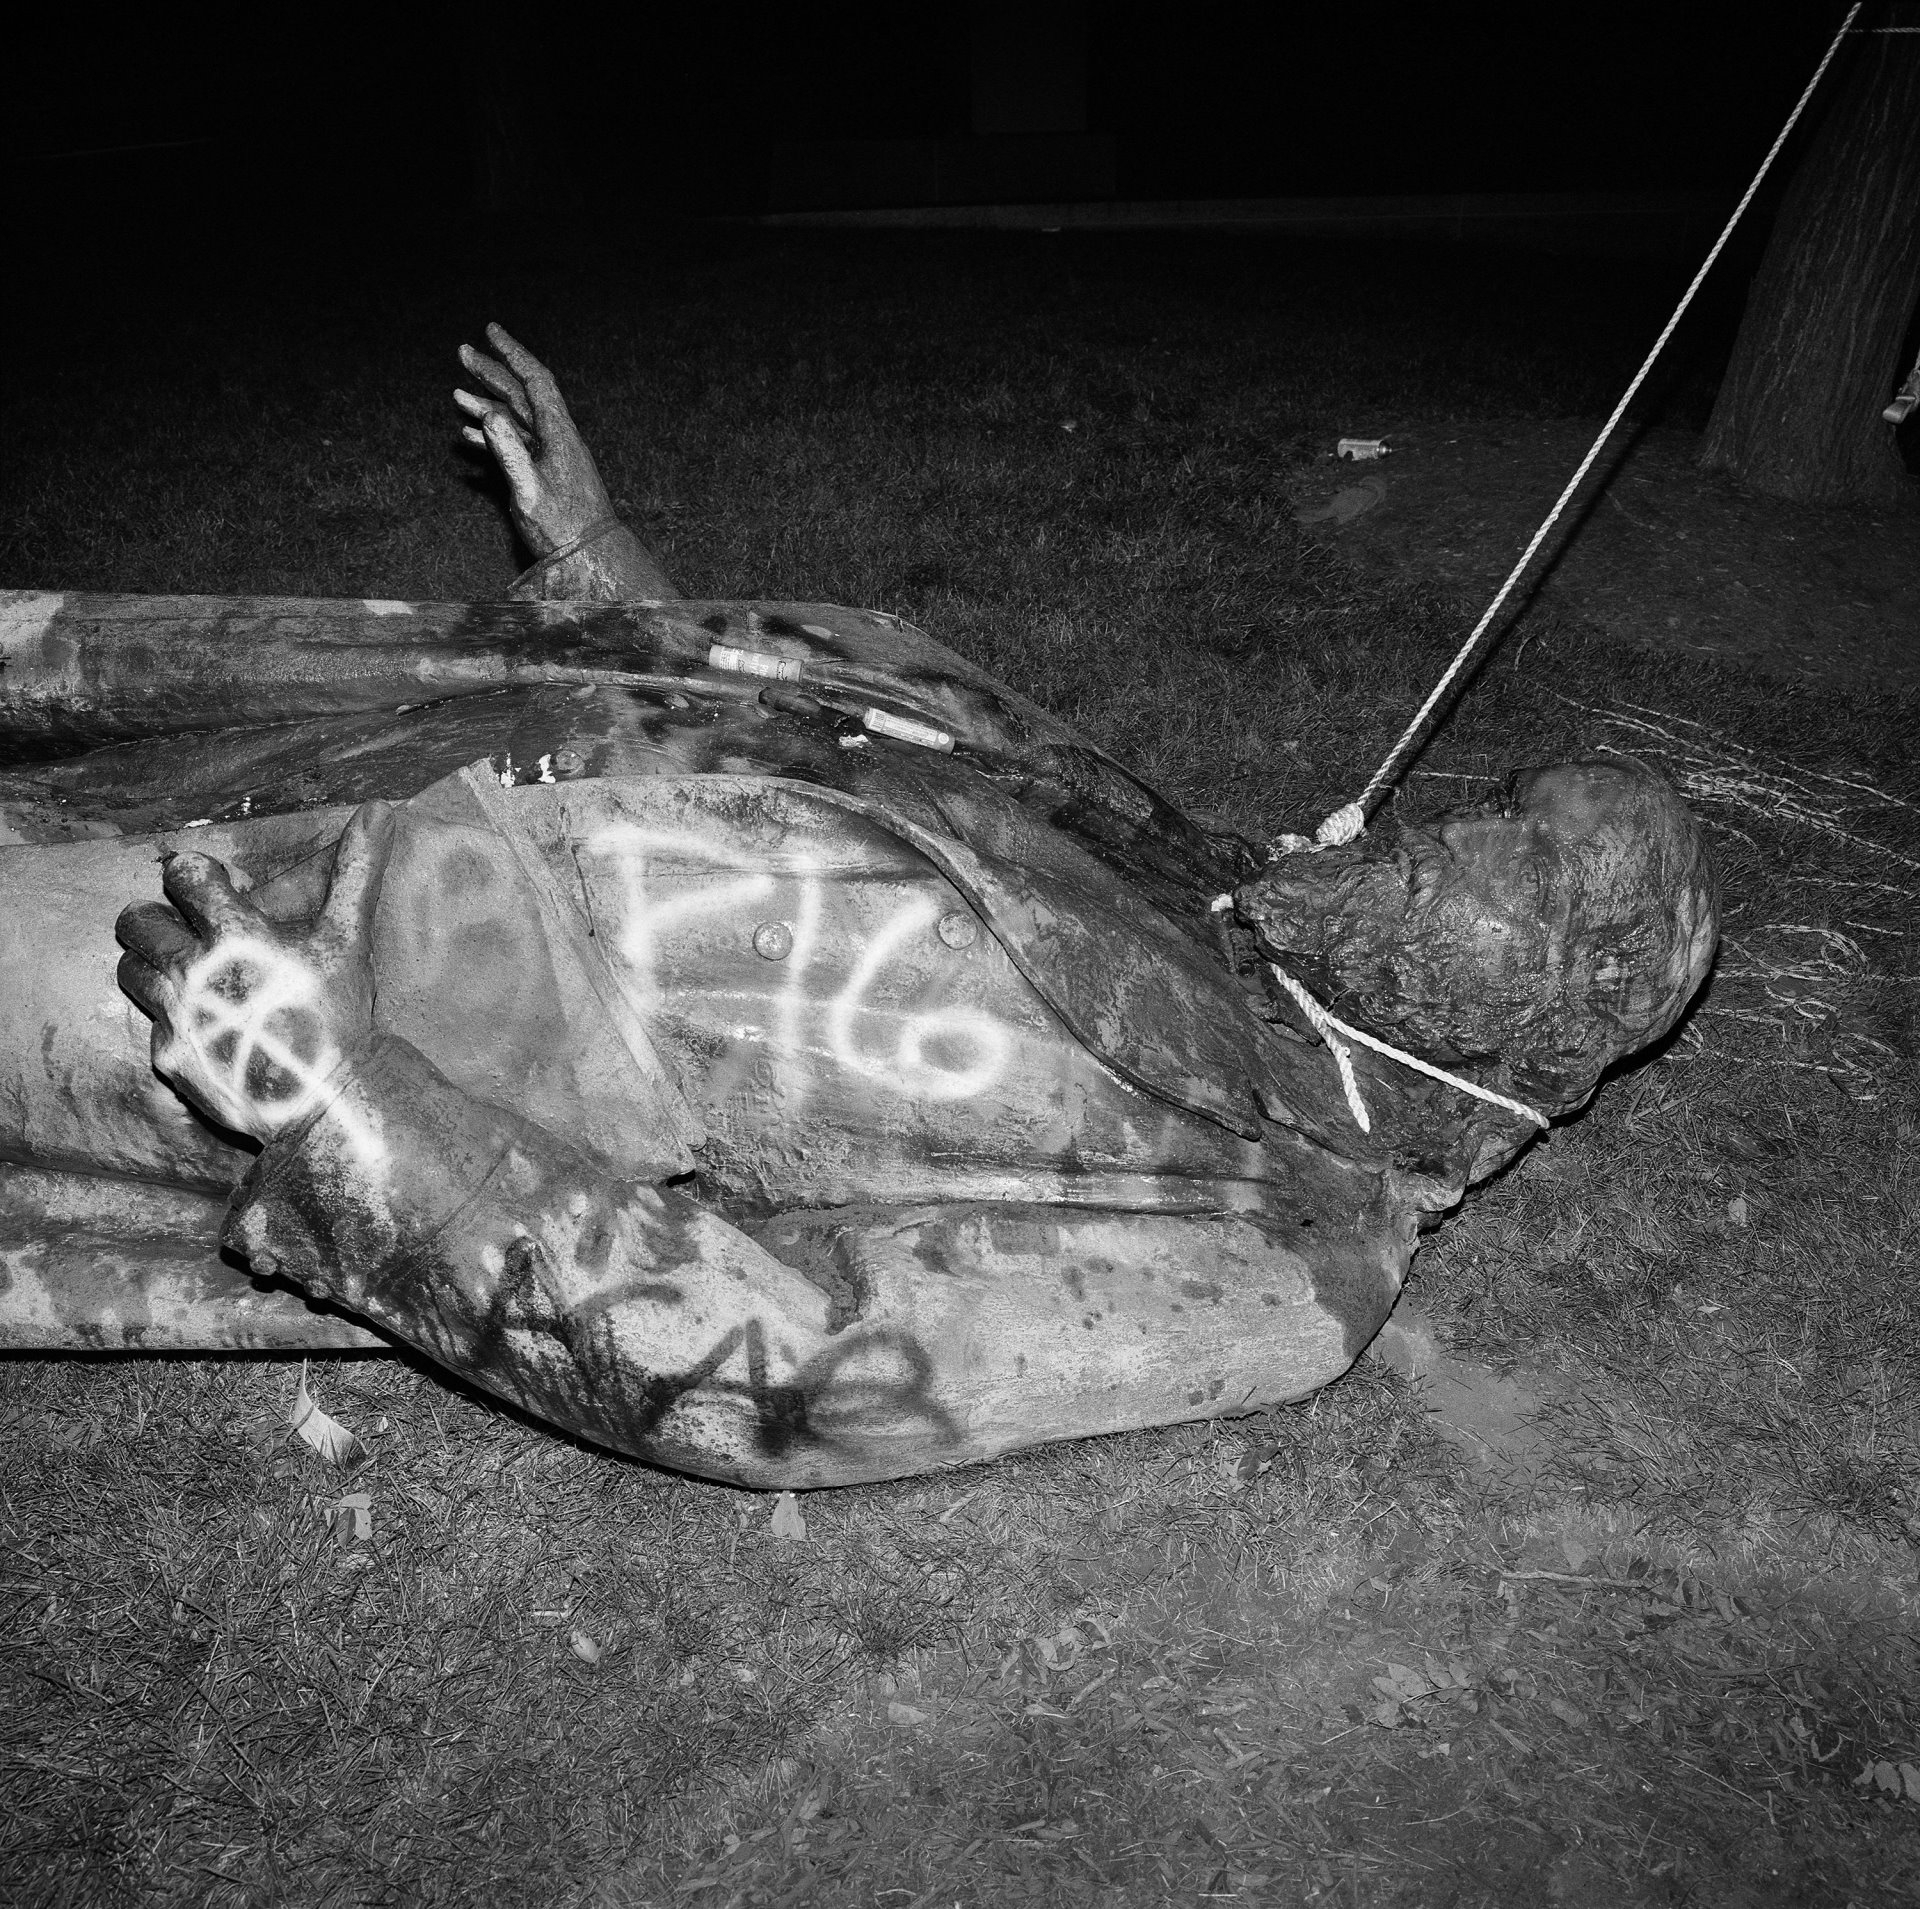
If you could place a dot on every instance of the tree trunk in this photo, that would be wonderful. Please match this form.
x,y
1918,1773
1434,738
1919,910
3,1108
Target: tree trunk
x,y
1818,355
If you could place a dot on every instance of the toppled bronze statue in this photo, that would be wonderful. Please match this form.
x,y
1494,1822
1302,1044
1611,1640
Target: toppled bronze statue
x,y
743,1034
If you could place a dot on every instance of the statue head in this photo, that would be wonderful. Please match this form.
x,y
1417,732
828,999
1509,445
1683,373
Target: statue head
x,y
1551,931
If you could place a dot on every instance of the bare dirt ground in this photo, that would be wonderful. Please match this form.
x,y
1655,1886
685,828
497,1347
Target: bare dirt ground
x,y
1661,554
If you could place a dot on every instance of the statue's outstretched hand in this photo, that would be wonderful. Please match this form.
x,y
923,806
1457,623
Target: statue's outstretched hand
x,y
255,1023
557,495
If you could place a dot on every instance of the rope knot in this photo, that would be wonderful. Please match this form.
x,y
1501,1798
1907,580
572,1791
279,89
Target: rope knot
x,y
1341,826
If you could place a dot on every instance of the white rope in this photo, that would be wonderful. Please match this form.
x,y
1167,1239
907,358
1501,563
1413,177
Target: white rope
x,y
1328,1026
1347,821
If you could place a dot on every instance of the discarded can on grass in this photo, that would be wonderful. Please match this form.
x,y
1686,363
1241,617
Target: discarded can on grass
x,y
1360,449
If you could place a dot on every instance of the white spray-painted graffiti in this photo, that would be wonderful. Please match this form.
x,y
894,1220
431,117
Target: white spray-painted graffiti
x,y
938,1052
251,1015
941,1054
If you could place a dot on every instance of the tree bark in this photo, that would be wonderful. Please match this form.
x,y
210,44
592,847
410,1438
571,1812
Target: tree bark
x,y
1818,354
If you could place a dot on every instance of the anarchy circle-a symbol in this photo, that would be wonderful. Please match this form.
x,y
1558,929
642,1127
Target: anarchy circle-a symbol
x,y
252,1014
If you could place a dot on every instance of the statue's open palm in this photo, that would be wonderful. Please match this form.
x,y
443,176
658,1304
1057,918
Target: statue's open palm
x,y
256,1023
556,493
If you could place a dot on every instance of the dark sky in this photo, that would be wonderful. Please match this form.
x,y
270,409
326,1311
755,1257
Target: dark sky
x,y
310,105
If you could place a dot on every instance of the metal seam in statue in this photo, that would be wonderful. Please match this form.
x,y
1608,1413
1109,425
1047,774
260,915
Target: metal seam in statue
x,y
746,1036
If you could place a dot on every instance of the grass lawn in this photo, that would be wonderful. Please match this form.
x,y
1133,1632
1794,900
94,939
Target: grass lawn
x,y
1662,1651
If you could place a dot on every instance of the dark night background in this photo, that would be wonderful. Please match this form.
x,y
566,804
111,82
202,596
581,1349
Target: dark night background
x,y
277,120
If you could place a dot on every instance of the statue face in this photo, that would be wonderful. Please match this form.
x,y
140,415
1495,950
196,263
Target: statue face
x,y
1496,883
1557,928
1584,897
1569,849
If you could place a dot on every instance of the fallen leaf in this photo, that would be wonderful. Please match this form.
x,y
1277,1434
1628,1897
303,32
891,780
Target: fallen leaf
x,y
1404,1683
1059,1651
585,1648
788,1521
327,1436
1574,1719
1345,505
351,1517
905,1715
1255,1462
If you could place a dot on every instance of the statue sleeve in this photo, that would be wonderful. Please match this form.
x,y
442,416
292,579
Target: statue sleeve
x,y
532,1267
608,565
634,1316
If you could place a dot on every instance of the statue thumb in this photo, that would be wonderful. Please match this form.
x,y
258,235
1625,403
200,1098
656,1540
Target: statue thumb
x,y
359,870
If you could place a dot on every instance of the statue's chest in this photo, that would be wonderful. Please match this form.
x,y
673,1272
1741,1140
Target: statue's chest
x,y
849,1029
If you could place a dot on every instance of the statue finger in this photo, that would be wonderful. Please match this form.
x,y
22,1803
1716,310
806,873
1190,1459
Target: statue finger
x,y
153,933
550,414
484,409
500,381
506,443
204,893
498,414
150,990
359,868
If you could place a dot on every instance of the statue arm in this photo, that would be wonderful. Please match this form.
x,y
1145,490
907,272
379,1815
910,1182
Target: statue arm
x,y
559,505
610,566
623,1312
635,1316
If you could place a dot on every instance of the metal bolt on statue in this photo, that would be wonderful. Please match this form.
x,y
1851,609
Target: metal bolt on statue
x,y
745,1035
